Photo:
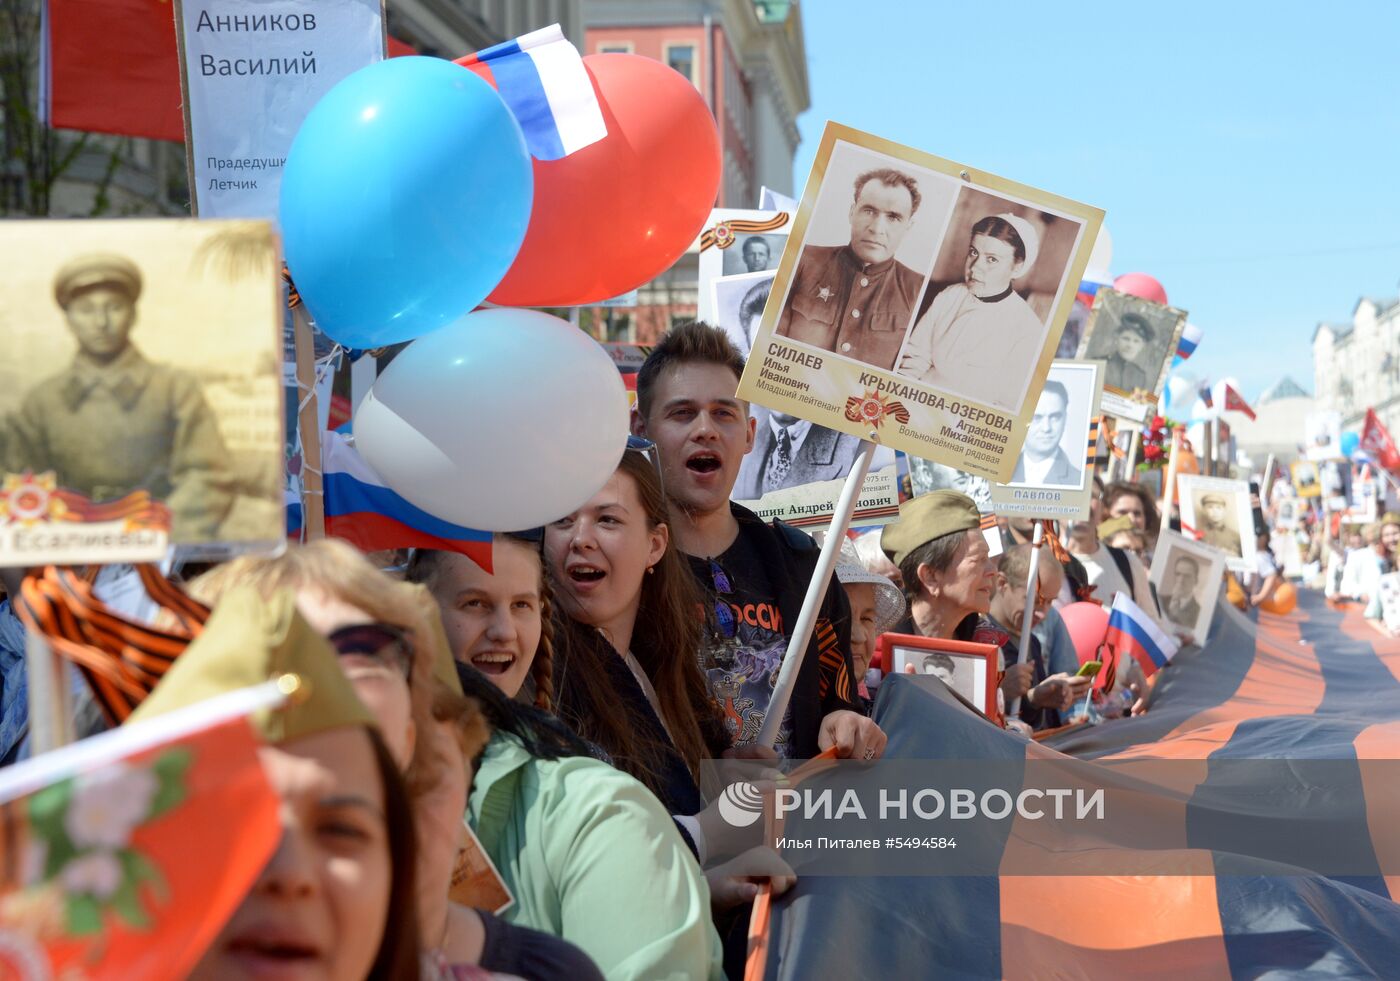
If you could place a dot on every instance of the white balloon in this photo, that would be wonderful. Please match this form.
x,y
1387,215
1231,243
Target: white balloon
x,y
1177,391
1101,258
504,420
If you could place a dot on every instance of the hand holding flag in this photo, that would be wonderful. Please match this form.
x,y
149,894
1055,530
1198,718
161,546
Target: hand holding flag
x,y
1132,631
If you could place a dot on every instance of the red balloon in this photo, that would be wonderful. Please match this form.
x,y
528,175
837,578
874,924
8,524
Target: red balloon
x,y
617,214
1140,284
1087,624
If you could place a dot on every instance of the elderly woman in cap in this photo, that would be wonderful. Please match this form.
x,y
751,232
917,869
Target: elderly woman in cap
x,y
949,576
979,337
113,422
1124,370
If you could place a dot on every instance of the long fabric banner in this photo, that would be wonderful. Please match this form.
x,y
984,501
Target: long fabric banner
x,y
1317,686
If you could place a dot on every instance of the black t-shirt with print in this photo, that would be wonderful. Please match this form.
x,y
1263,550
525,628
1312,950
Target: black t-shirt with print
x,y
741,655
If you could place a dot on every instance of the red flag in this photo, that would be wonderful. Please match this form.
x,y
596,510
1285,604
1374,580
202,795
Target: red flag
x,y
1376,440
126,853
1234,402
114,68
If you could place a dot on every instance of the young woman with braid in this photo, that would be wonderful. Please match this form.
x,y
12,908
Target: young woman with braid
x,y
499,622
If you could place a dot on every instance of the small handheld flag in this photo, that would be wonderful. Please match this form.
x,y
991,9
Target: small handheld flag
x,y
1132,631
542,79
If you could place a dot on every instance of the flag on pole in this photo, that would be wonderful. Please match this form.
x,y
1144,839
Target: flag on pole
x,y
1234,402
363,510
1132,631
541,77
1190,337
126,853
1206,396
1376,441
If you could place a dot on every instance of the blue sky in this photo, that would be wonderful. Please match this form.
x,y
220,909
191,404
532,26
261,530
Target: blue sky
x,y
1247,154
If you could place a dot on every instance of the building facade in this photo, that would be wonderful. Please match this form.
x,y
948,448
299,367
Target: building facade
x,y
1356,365
748,60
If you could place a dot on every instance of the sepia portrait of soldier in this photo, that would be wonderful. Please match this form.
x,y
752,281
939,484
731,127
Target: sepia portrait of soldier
x,y
113,422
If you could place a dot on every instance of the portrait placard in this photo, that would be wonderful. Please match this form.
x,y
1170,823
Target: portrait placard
x,y
796,468
141,390
250,71
1219,512
1053,477
1323,433
968,669
1306,482
1136,339
1389,588
1188,576
1288,510
738,241
1364,502
1289,552
919,302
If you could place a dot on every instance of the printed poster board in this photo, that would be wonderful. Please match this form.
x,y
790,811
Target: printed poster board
x,y
919,302
1054,474
141,390
1188,576
1136,339
1220,513
250,71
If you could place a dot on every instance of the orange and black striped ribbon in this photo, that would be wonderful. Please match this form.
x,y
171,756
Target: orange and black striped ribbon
x,y
725,233
122,660
293,297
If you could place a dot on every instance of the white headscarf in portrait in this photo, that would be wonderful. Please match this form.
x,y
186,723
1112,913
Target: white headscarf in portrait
x,y
1029,238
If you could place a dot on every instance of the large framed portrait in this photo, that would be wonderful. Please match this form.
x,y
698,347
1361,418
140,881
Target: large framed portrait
x,y
1054,472
919,303
141,391
1136,339
968,669
1219,513
735,242
1188,577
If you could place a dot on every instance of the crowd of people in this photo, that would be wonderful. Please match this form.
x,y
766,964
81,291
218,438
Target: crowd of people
x,y
560,705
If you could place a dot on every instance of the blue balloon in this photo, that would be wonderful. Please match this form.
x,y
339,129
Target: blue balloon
x,y
1351,442
405,197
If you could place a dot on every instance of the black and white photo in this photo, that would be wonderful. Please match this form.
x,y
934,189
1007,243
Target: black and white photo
x,y
1219,513
966,668
865,256
737,242
1188,578
753,252
984,316
1136,339
738,303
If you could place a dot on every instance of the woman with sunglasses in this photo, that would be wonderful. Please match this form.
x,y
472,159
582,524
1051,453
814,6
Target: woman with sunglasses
x,y
390,645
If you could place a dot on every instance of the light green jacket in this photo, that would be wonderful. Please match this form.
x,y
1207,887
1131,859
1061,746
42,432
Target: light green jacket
x,y
591,856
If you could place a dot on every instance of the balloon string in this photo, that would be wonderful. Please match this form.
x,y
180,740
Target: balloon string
x,y
322,366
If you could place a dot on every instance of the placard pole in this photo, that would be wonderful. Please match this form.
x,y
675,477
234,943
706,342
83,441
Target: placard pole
x,y
816,592
313,501
1173,467
1133,447
50,697
1032,577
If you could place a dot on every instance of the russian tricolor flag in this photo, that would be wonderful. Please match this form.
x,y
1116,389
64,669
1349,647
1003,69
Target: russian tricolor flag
x,y
1130,630
542,79
1088,289
361,509
1190,337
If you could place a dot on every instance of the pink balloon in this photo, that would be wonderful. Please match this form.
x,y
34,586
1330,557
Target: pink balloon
x,y
1143,285
1087,624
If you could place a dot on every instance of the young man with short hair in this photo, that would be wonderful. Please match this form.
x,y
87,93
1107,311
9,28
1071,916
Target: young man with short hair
x,y
755,574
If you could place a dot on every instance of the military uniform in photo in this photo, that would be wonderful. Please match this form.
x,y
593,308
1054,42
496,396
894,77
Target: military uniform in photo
x,y
1219,534
841,304
113,422
1184,612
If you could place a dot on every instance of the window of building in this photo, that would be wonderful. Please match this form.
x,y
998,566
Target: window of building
x,y
615,47
681,57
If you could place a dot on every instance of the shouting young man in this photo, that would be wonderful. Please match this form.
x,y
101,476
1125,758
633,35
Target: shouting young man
x,y
755,574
